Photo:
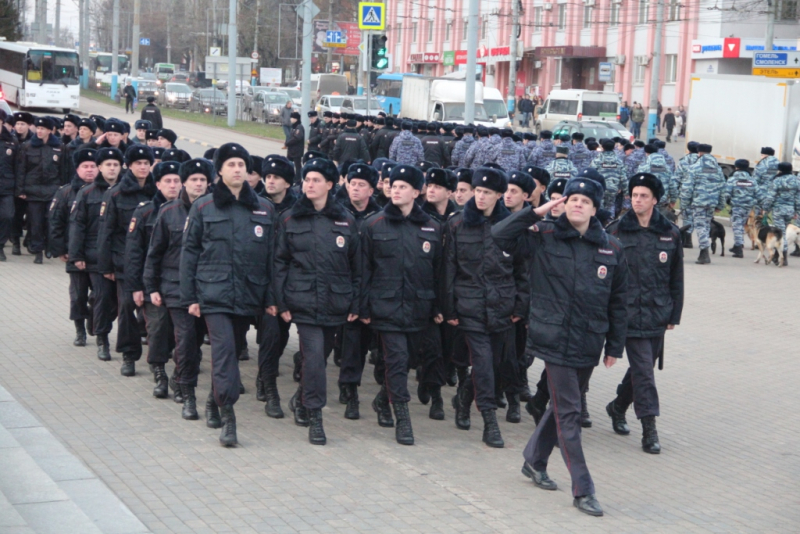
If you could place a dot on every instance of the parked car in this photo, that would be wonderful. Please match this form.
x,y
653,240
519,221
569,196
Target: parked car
x,y
358,104
267,106
175,95
295,94
621,130
180,77
198,80
597,129
210,100
332,103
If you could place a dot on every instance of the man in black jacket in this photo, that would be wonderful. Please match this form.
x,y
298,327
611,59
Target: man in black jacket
x,y
402,254
135,186
315,131
295,141
8,180
162,280
86,130
655,301
350,145
578,290
130,95
84,226
225,272
60,208
434,147
38,179
151,113
160,335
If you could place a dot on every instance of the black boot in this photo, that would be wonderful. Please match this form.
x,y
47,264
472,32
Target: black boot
x,y
381,406
161,390
343,393
617,415
536,407
80,333
437,403
273,407
403,432
90,320
499,399
738,251
177,392
686,238
297,408
15,250
796,251
650,435
261,394
452,376
103,353
513,414
351,412
241,386
525,393
462,402
586,420
2,255
37,259
244,355
189,411
491,431
227,437
297,373
784,262
423,394
213,419
704,257
316,433
128,365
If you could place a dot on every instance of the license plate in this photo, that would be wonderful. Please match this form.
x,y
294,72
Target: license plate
x,y
52,101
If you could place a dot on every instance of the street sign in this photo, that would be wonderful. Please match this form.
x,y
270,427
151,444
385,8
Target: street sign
x,y
254,55
371,16
215,51
144,41
301,9
334,39
604,72
777,73
789,59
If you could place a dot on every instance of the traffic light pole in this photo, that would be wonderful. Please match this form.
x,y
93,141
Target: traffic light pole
x,y
368,83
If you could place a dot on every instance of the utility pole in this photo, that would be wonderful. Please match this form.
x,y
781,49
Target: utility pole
x,y
232,37
329,59
771,4
115,50
472,51
137,12
42,16
308,36
57,25
655,72
169,34
255,36
82,44
512,50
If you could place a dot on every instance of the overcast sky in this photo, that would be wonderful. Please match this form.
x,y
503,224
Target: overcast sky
x,y
69,14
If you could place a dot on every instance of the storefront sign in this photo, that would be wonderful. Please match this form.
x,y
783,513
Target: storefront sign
x,y
425,57
449,58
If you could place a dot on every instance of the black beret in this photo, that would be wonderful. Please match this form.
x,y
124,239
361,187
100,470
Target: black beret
x,y
768,151
208,154
89,123
562,149
168,134
741,164
109,153
175,154
442,177
113,125
142,125
151,99
23,116
166,167
650,149
323,166
279,166
45,122
74,119
313,154
228,151
557,186
704,148
137,152
464,174
409,174
784,168
546,134
650,181
577,136
84,155
494,179
593,174
425,165
523,180
312,113
158,151
586,187
295,115
363,171
197,166
152,135
257,163
327,114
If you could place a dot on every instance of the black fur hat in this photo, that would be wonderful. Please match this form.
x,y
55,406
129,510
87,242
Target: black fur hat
x,y
660,144
741,164
538,174
168,134
557,186
424,166
143,125
175,154
83,155
784,168
228,151
409,174
258,164
45,122
442,177
151,99
197,166
74,119
166,167
209,154
312,113
158,151
152,135
323,166
279,166
386,168
464,174
523,180
593,174
546,134
650,181
295,115
104,154
704,148
494,179
768,151
586,187
313,154
344,167
137,152
89,123
562,149
113,125
650,149
363,171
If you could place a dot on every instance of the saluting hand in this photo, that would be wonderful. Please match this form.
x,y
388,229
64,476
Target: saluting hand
x,y
545,208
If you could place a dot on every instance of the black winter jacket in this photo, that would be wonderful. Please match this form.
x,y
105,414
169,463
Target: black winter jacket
x,y
84,223
59,228
655,273
578,288
151,113
318,263
379,145
316,133
431,210
67,165
295,141
350,145
8,162
137,242
483,285
402,263
435,150
227,254
39,169
115,218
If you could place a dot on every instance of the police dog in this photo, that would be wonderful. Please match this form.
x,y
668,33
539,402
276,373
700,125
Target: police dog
x,y
717,231
770,243
751,228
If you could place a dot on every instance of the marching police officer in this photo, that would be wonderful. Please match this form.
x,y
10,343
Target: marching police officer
x,y
654,255
406,149
350,145
315,131
741,192
8,179
561,166
295,141
703,192
578,284
783,198
613,170
151,113
225,272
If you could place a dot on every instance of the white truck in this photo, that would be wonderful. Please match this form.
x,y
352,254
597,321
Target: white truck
x,y
737,115
439,99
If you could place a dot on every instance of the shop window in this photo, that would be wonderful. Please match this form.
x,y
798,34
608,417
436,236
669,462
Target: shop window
x,y
562,16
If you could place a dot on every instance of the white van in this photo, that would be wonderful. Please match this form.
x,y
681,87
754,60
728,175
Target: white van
x,y
495,106
576,105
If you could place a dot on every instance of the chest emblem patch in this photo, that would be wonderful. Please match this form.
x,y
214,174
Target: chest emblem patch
x,y
8,152
258,230
55,157
662,257
602,272
340,241
426,247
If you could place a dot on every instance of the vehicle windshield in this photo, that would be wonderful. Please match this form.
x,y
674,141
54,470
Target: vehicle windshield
x,y
165,70
599,109
210,93
44,66
293,93
598,131
146,85
178,88
455,112
148,76
361,103
335,101
280,98
495,107
104,63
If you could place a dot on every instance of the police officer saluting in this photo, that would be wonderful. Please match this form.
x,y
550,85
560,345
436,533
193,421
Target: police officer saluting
x,y
225,271
578,279
655,300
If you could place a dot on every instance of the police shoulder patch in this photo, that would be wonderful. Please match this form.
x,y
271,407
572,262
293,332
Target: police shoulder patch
x,y
102,209
132,226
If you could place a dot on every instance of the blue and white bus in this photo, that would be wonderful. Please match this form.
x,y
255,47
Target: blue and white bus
x,y
40,76
388,91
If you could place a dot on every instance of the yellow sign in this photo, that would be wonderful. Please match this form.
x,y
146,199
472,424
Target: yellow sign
x,y
777,73
371,16
334,45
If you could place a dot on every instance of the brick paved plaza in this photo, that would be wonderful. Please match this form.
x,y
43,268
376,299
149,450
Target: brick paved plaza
x,y
728,429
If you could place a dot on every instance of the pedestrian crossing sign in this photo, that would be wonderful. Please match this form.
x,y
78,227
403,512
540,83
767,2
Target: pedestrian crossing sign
x,y
371,16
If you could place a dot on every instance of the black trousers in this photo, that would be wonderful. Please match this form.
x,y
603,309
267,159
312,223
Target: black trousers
x,y
639,383
223,329
316,342
397,348
6,218
298,167
561,423
486,352
273,334
18,222
128,104
129,339
79,284
355,338
104,303
160,334
37,219
430,362
188,338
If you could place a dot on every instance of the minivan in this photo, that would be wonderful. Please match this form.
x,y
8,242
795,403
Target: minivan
x,y
576,105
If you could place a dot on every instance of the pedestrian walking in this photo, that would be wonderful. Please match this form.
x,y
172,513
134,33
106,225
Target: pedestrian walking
x,y
669,123
130,97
